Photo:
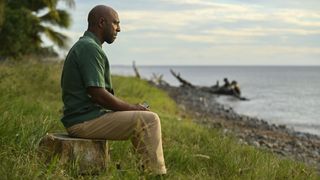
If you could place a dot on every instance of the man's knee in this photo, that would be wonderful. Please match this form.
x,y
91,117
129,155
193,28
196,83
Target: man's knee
x,y
151,117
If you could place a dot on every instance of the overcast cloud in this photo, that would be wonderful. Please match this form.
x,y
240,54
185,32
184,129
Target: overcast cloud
x,y
207,32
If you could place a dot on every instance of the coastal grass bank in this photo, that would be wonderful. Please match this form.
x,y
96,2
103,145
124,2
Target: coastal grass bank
x,y
31,106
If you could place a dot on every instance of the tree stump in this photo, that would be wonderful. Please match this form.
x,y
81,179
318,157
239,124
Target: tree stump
x,y
88,155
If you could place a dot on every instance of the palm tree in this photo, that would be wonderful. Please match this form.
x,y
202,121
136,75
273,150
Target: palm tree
x,y
53,16
40,17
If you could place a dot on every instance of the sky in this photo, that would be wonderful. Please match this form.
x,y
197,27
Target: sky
x,y
209,32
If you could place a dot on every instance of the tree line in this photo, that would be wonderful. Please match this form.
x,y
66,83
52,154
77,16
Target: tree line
x,y
23,22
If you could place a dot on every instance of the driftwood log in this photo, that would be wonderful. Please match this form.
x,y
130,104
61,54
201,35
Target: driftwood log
x,y
158,80
135,69
215,89
181,80
89,155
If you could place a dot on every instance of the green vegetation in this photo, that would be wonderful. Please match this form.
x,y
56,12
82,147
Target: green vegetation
x,y
22,23
30,106
1,13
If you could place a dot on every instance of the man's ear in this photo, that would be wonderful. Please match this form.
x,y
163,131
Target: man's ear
x,y
101,22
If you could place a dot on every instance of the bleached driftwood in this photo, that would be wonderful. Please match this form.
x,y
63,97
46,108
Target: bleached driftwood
x,y
158,80
135,69
89,155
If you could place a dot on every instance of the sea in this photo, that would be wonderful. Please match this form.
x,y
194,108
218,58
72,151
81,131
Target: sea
x,y
282,95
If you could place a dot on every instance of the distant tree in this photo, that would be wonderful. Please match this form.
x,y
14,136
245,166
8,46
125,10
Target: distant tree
x,y
25,21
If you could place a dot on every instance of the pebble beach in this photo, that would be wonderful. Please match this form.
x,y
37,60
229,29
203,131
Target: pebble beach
x,y
279,139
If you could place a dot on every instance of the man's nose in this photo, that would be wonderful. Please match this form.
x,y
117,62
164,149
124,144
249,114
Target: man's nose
x,y
118,28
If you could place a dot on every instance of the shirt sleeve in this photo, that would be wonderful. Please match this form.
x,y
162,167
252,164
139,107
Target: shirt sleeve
x,y
92,66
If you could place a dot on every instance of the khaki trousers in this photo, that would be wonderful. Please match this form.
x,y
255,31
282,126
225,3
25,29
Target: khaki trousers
x,y
141,127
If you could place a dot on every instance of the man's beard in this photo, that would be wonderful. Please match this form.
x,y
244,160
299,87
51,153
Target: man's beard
x,y
109,39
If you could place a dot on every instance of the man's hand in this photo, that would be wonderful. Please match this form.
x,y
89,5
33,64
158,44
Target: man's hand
x,y
140,107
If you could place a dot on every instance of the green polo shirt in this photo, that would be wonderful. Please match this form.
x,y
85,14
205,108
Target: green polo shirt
x,y
86,65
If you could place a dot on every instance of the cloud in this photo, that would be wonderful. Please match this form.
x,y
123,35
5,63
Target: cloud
x,y
174,20
223,24
148,50
220,35
153,20
249,54
224,15
299,17
204,30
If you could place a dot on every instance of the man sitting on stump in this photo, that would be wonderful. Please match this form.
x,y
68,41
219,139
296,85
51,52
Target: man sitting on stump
x,y
90,108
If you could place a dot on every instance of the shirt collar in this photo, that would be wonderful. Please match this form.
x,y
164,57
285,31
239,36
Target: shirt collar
x,y
94,37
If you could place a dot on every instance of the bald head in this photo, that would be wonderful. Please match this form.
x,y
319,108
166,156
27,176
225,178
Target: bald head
x,y
103,21
99,11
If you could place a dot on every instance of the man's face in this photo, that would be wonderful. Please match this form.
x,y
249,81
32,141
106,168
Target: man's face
x,y
111,28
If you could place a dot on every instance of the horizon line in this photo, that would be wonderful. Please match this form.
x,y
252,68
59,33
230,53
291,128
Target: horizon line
x,y
287,65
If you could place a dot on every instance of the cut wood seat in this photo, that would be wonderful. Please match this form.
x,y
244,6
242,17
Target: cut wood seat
x,y
89,155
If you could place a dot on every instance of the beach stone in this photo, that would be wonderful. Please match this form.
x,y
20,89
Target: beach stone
x,y
279,152
89,155
269,145
299,144
255,143
315,153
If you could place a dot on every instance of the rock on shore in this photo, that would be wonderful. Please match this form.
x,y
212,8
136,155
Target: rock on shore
x,y
250,130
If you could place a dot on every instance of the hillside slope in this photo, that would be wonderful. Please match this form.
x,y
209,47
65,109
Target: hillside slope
x,y
31,106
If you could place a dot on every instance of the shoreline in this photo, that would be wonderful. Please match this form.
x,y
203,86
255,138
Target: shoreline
x,y
206,110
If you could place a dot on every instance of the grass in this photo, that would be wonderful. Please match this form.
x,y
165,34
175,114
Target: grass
x,y
31,106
